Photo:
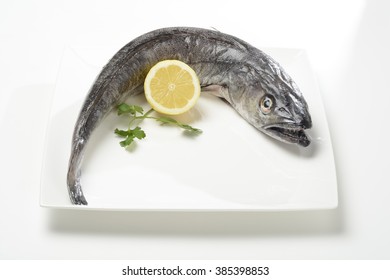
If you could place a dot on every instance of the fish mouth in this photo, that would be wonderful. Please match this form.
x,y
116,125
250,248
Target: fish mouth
x,y
288,133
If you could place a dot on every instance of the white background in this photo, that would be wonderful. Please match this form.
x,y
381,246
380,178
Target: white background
x,y
348,44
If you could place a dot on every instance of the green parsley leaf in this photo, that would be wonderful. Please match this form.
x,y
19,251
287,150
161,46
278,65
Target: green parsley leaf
x,y
124,108
130,135
169,120
127,141
138,133
123,133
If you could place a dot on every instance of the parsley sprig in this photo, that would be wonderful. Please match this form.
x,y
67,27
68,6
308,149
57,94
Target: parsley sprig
x,y
137,115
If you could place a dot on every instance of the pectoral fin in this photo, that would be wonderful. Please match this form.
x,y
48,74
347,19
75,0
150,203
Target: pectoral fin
x,y
217,90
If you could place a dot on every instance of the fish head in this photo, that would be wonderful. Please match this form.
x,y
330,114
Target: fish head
x,y
275,106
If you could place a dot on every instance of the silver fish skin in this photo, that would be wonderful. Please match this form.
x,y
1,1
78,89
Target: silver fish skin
x,y
253,83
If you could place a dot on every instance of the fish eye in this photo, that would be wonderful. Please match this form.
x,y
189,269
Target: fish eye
x,y
266,104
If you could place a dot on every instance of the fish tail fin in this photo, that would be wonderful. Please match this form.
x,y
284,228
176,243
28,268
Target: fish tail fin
x,y
74,187
73,177
76,193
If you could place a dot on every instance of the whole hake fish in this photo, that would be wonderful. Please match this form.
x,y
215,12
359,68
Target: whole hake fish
x,y
253,83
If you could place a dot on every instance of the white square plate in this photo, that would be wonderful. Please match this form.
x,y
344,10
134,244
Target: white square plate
x,y
231,166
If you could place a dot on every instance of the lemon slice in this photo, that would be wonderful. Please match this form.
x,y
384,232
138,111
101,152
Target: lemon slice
x,y
172,87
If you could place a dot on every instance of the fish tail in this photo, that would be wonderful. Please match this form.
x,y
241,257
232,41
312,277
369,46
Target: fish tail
x,y
73,177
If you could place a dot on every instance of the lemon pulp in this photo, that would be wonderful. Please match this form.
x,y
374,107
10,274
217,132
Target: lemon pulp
x,y
172,87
